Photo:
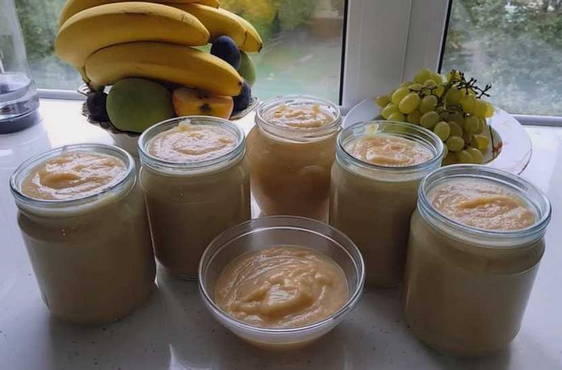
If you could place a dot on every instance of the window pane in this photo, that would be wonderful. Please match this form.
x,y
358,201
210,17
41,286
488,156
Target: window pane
x,y
515,45
302,52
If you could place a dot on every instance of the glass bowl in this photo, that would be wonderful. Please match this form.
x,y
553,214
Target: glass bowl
x,y
272,231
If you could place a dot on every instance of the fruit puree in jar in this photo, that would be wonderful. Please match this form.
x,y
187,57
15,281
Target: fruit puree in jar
x,y
291,151
299,116
281,287
73,175
192,143
388,151
482,204
196,185
373,204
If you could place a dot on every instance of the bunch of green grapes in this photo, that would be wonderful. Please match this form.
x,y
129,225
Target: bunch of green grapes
x,y
450,106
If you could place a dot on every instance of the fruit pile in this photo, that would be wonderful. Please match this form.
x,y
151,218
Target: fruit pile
x,y
452,106
153,53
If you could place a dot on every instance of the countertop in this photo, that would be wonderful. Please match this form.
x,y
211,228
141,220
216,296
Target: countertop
x,y
174,331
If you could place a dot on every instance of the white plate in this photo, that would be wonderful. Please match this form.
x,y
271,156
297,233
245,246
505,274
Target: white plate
x,y
514,145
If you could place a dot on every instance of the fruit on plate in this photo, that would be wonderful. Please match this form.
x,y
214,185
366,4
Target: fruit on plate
x,y
72,7
247,68
134,104
219,22
451,106
96,28
225,48
188,102
242,101
161,61
96,103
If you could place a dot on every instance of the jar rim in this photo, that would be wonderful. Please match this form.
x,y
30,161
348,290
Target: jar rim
x,y
159,163
523,188
296,133
22,171
431,140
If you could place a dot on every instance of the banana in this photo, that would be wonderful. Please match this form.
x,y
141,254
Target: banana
x,y
253,42
162,61
72,7
222,22
110,24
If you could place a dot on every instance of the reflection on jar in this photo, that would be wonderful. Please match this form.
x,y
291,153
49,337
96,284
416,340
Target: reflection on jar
x,y
467,287
290,151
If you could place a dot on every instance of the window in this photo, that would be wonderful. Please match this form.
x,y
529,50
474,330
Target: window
x,y
302,53
516,45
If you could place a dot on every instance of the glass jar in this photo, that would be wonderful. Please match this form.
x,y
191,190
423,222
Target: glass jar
x,y
372,204
466,288
190,203
92,256
291,166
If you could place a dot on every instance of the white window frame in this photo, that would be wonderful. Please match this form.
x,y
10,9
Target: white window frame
x,y
385,42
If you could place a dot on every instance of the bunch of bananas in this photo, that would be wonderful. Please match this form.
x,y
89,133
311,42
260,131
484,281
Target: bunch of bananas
x,y
109,40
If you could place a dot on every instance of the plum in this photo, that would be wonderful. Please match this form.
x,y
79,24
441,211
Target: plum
x,y
225,48
96,102
242,101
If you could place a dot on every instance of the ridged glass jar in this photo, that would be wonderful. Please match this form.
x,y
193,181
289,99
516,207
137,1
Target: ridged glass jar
x,y
372,204
92,256
291,166
467,288
190,203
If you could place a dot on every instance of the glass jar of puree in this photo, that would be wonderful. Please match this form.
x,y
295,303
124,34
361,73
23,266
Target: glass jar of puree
x,y
196,185
476,240
375,178
84,223
290,151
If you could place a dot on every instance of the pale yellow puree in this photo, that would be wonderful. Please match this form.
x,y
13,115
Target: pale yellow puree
x,y
299,116
387,150
482,204
281,287
73,175
191,143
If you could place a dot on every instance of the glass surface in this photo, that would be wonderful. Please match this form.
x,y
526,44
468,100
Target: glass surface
x,y
515,46
302,52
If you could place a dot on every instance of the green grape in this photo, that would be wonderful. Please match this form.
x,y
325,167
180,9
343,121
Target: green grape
x,y
483,125
467,104
455,143
480,108
428,103
422,75
429,119
430,84
415,87
409,103
481,141
399,94
382,100
388,110
442,130
397,116
456,129
489,110
471,124
414,117
455,117
477,156
451,158
405,83
453,75
445,150
439,91
453,96
464,156
437,78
